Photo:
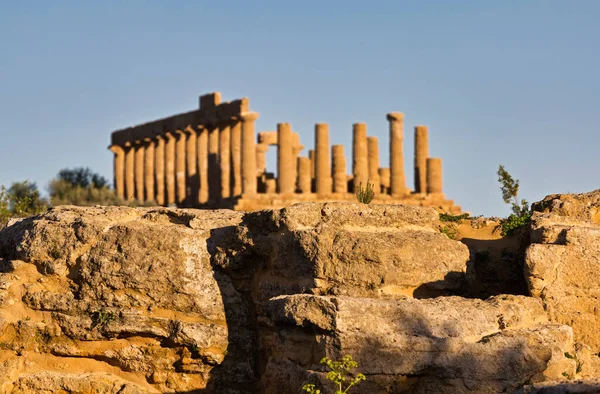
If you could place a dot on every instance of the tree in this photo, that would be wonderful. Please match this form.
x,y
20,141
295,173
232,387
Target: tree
x,y
82,177
81,186
24,199
510,194
21,199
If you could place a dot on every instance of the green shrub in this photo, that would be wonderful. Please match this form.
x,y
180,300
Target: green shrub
x,y
64,193
81,186
25,200
20,200
446,217
82,177
365,195
521,215
514,222
450,232
4,207
339,374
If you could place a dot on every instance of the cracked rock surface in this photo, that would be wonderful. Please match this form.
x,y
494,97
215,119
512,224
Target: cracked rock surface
x,y
563,262
156,300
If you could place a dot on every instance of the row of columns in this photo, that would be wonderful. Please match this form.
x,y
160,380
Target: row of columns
x,y
329,175
188,167
199,164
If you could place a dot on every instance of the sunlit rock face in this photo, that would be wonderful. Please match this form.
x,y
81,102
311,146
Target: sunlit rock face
x,y
134,300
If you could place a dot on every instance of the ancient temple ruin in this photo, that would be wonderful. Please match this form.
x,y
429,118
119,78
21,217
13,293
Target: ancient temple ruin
x,y
212,158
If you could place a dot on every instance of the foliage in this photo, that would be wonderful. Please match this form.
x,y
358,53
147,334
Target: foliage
x,y
513,223
64,193
578,364
365,195
339,374
82,177
103,317
21,199
80,186
446,217
25,199
4,206
450,231
510,194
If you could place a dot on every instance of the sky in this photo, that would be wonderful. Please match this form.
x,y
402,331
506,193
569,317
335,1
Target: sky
x,y
507,82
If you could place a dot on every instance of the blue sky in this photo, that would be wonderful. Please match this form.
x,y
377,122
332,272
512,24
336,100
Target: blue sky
x,y
512,82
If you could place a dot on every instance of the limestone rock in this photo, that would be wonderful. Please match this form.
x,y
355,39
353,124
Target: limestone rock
x,y
57,383
447,344
563,261
356,250
118,299
584,207
571,387
133,288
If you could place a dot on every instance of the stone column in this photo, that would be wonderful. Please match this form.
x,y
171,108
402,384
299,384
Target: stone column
x,y
340,180
130,172
139,171
149,169
434,175
159,169
296,149
285,159
236,157
214,170
360,166
248,153
322,163
170,167
421,154
202,153
119,170
225,160
373,145
192,181
180,164
397,179
384,179
304,181
261,158
311,156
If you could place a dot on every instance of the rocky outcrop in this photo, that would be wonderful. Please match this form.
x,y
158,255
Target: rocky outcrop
x,y
124,300
563,261
572,387
131,293
356,250
447,344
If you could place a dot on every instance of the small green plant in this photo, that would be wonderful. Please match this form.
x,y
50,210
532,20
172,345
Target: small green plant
x,y
339,374
43,336
365,195
578,363
446,217
450,232
54,253
103,317
513,223
521,214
